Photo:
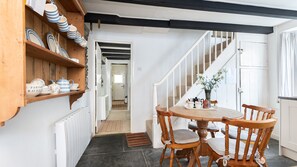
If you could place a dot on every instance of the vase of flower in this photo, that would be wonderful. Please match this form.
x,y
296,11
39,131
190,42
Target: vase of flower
x,y
209,84
207,94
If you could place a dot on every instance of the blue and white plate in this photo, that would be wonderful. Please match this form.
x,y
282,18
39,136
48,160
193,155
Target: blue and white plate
x,y
51,42
64,53
32,36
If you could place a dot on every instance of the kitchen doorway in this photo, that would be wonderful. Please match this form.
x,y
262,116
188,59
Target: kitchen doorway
x,y
116,79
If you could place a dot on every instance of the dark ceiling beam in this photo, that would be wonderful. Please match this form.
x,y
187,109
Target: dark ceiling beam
x,y
114,50
182,24
218,7
119,45
116,54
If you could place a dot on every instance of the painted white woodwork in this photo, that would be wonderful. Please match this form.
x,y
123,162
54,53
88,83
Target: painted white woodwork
x,y
211,65
288,124
253,67
119,86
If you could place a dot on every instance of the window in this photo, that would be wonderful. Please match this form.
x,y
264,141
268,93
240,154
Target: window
x,y
118,78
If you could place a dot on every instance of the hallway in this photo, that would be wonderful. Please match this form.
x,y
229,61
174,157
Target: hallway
x,y
117,122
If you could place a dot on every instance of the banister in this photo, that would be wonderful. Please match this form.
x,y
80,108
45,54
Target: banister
x,y
179,62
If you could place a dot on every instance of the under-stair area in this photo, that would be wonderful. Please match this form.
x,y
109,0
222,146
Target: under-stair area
x,y
207,56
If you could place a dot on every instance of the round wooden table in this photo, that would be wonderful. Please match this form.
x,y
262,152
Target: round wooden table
x,y
203,116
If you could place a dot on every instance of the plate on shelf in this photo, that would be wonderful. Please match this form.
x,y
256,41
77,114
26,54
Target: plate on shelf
x,y
32,36
64,52
51,42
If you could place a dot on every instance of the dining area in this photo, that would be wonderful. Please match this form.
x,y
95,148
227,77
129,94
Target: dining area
x,y
227,137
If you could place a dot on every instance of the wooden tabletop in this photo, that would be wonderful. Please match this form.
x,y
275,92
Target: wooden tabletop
x,y
215,114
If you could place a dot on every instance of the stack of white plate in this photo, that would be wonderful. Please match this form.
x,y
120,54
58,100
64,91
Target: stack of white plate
x,y
52,14
72,33
63,24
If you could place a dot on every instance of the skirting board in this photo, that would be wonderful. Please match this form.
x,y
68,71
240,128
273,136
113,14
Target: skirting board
x,y
289,153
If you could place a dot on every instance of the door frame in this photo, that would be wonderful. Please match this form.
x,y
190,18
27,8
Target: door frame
x,y
92,73
123,62
256,38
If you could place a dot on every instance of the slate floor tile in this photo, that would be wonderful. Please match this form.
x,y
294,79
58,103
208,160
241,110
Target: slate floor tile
x,y
112,151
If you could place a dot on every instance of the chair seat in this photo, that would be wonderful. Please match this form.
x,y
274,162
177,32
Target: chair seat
x,y
211,126
218,145
243,136
184,136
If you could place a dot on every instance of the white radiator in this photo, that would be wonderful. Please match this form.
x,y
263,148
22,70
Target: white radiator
x,y
73,134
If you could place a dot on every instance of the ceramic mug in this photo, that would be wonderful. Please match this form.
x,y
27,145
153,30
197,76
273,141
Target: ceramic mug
x,y
55,88
74,86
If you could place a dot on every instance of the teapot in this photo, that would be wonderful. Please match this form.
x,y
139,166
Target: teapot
x,y
64,85
55,88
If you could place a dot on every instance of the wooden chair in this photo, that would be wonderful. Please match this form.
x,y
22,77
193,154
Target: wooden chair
x,y
176,139
212,128
250,112
234,152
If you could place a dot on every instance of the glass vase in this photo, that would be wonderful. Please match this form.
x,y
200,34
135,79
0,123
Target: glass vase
x,y
207,94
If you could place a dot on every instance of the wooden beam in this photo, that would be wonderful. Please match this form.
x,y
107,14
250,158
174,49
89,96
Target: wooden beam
x,y
103,50
218,7
182,24
118,45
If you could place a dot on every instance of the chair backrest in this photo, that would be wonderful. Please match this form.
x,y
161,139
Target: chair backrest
x,y
264,129
257,113
162,114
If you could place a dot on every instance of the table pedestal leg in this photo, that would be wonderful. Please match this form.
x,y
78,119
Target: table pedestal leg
x,y
202,132
203,148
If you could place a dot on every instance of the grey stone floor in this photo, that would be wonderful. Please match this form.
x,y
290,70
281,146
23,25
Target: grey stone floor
x,y
112,151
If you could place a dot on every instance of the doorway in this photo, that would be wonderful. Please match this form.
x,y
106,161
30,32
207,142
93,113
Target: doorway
x,y
119,87
253,71
115,69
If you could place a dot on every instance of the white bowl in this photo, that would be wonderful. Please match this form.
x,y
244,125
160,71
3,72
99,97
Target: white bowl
x,y
38,81
52,14
72,28
33,90
50,7
62,20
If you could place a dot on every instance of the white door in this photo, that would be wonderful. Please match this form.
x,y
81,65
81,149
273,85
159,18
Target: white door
x,y
119,73
253,87
97,84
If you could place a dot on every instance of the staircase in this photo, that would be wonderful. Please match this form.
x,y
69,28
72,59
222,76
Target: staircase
x,y
207,56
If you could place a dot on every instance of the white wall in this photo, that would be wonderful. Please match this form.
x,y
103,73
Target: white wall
x,y
154,52
273,52
28,139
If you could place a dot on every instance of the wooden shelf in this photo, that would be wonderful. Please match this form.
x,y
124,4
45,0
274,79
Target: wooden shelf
x,y
45,97
34,50
74,6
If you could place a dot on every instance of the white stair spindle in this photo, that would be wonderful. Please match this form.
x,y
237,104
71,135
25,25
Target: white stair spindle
x,y
179,81
209,56
155,102
198,59
186,79
221,41
192,69
227,39
215,49
203,55
167,99
232,36
173,88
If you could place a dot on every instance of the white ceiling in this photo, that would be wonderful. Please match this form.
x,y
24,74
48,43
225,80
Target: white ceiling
x,y
153,12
